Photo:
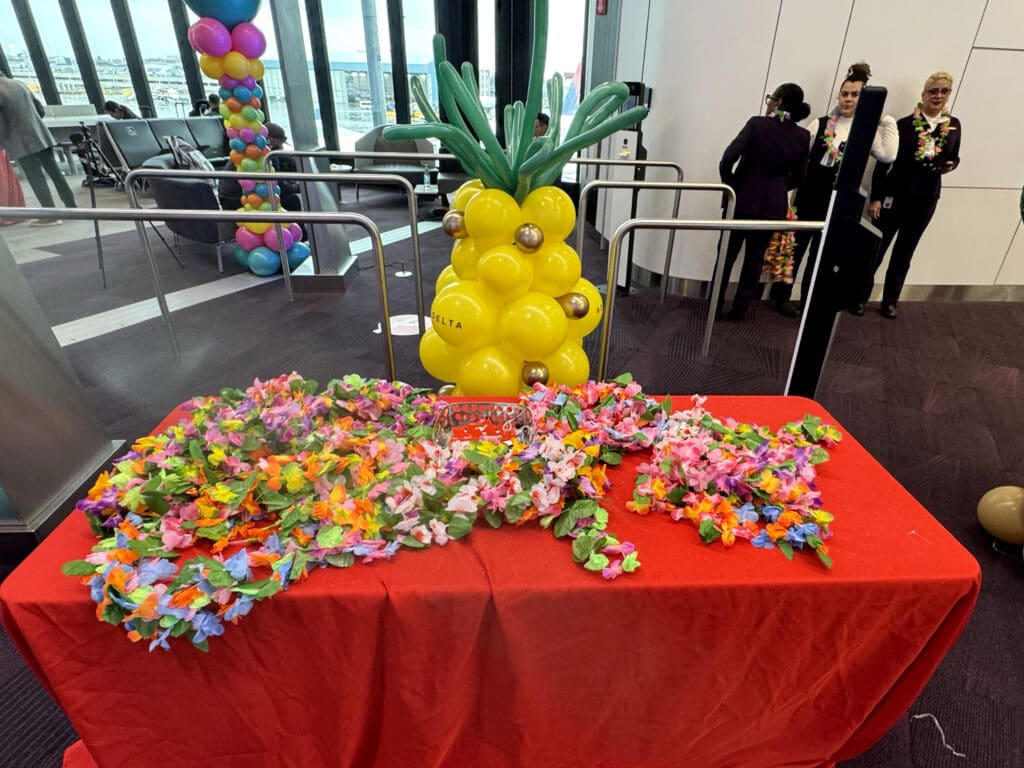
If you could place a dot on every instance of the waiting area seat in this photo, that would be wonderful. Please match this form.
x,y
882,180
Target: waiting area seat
x,y
132,144
408,169
190,194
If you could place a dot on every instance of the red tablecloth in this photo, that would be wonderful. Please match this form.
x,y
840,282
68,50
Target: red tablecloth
x,y
497,650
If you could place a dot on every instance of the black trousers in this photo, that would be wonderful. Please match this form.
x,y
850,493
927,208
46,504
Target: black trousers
x,y
905,222
34,166
750,273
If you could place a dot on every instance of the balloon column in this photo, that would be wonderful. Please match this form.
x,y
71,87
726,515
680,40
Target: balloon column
x,y
230,47
512,308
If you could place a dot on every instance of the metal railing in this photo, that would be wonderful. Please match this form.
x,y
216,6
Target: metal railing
x,y
389,179
741,225
730,209
275,217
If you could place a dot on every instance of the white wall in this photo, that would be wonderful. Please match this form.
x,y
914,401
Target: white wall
x,y
711,62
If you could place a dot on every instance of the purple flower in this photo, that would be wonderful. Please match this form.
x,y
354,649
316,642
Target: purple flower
x,y
206,625
239,608
238,565
747,513
155,569
161,640
771,512
763,540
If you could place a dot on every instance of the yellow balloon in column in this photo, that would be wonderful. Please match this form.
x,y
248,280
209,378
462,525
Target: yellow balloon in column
x,y
492,218
440,358
465,315
568,364
533,325
551,209
581,327
556,269
465,255
490,371
506,270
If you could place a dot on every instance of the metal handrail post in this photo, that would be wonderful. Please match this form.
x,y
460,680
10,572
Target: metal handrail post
x,y
179,214
387,178
655,185
743,225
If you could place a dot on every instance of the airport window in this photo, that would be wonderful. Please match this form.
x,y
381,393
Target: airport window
x,y
16,50
58,49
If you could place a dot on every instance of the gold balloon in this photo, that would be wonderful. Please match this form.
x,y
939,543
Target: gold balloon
x,y
1001,513
446,390
529,238
535,372
454,224
574,304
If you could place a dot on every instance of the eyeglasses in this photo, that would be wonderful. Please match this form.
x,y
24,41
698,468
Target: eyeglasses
x,y
770,98
939,91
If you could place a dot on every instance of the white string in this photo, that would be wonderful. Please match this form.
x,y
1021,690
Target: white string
x,y
942,733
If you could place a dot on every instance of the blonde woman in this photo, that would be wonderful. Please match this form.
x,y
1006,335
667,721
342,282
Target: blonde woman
x,y
904,194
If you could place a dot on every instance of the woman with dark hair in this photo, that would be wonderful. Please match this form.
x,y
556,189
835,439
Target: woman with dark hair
x,y
904,194
200,108
828,142
772,154
119,111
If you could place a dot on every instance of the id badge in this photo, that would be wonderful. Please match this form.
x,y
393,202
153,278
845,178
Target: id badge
x,y
827,161
887,202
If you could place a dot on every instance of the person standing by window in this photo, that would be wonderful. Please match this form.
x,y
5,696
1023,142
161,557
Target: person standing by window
x,y
772,154
27,139
904,194
828,142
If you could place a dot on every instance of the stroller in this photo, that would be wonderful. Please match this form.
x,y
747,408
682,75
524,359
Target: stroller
x,y
99,172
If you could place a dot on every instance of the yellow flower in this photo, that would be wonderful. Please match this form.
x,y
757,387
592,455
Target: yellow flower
x,y
221,493
217,455
294,478
769,483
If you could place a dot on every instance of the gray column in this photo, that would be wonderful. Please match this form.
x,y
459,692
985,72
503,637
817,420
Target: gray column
x,y
133,56
189,64
36,52
83,56
374,70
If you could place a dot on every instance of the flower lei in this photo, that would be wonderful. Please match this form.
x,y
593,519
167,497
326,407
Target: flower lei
x,y
781,114
832,147
259,488
928,145
778,259
740,481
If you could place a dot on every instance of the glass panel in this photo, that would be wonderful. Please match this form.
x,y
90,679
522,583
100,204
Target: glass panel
x,y
108,55
351,74
566,21
13,44
58,49
155,33
485,45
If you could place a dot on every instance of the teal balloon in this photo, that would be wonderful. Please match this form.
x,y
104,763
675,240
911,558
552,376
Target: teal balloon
x,y
297,254
263,261
242,256
237,144
257,92
227,12
261,190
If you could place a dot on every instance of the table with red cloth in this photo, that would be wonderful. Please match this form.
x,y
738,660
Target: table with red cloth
x,y
498,650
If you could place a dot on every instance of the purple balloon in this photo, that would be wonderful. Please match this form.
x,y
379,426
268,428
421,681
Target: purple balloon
x,y
246,135
248,40
270,238
248,239
247,184
228,82
296,231
264,131
248,81
210,36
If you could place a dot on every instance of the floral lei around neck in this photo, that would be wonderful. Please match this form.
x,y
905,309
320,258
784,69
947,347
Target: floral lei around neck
x,y
832,147
257,489
925,138
781,114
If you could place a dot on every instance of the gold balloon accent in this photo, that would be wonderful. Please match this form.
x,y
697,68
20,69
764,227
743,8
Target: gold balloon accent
x,y
529,238
1001,513
446,390
574,304
535,372
454,224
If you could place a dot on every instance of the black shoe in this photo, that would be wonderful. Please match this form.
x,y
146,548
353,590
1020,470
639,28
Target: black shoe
x,y
888,311
736,313
786,309
857,309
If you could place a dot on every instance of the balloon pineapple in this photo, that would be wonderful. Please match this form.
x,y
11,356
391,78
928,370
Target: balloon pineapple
x,y
512,308
230,47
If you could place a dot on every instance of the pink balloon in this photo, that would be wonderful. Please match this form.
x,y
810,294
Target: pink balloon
x,y
247,135
248,40
270,238
210,36
247,184
228,82
248,239
296,231
264,131
232,132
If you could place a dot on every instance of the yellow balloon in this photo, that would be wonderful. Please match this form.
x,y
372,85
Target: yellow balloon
x,y
212,66
506,270
256,69
492,218
551,209
465,256
568,364
489,371
259,227
465,193
556,269
236,121
466,315
580,328
439,357
447,277
236,65
533,325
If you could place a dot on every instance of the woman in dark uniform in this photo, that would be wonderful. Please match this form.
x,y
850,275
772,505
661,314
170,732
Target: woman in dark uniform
x,y
905,193
772,154
829,134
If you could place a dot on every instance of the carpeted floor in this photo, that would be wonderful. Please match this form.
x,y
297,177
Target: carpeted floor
x,y
934,396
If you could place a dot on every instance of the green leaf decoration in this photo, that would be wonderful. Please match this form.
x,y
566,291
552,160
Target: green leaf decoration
x,y
78,568
526,162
